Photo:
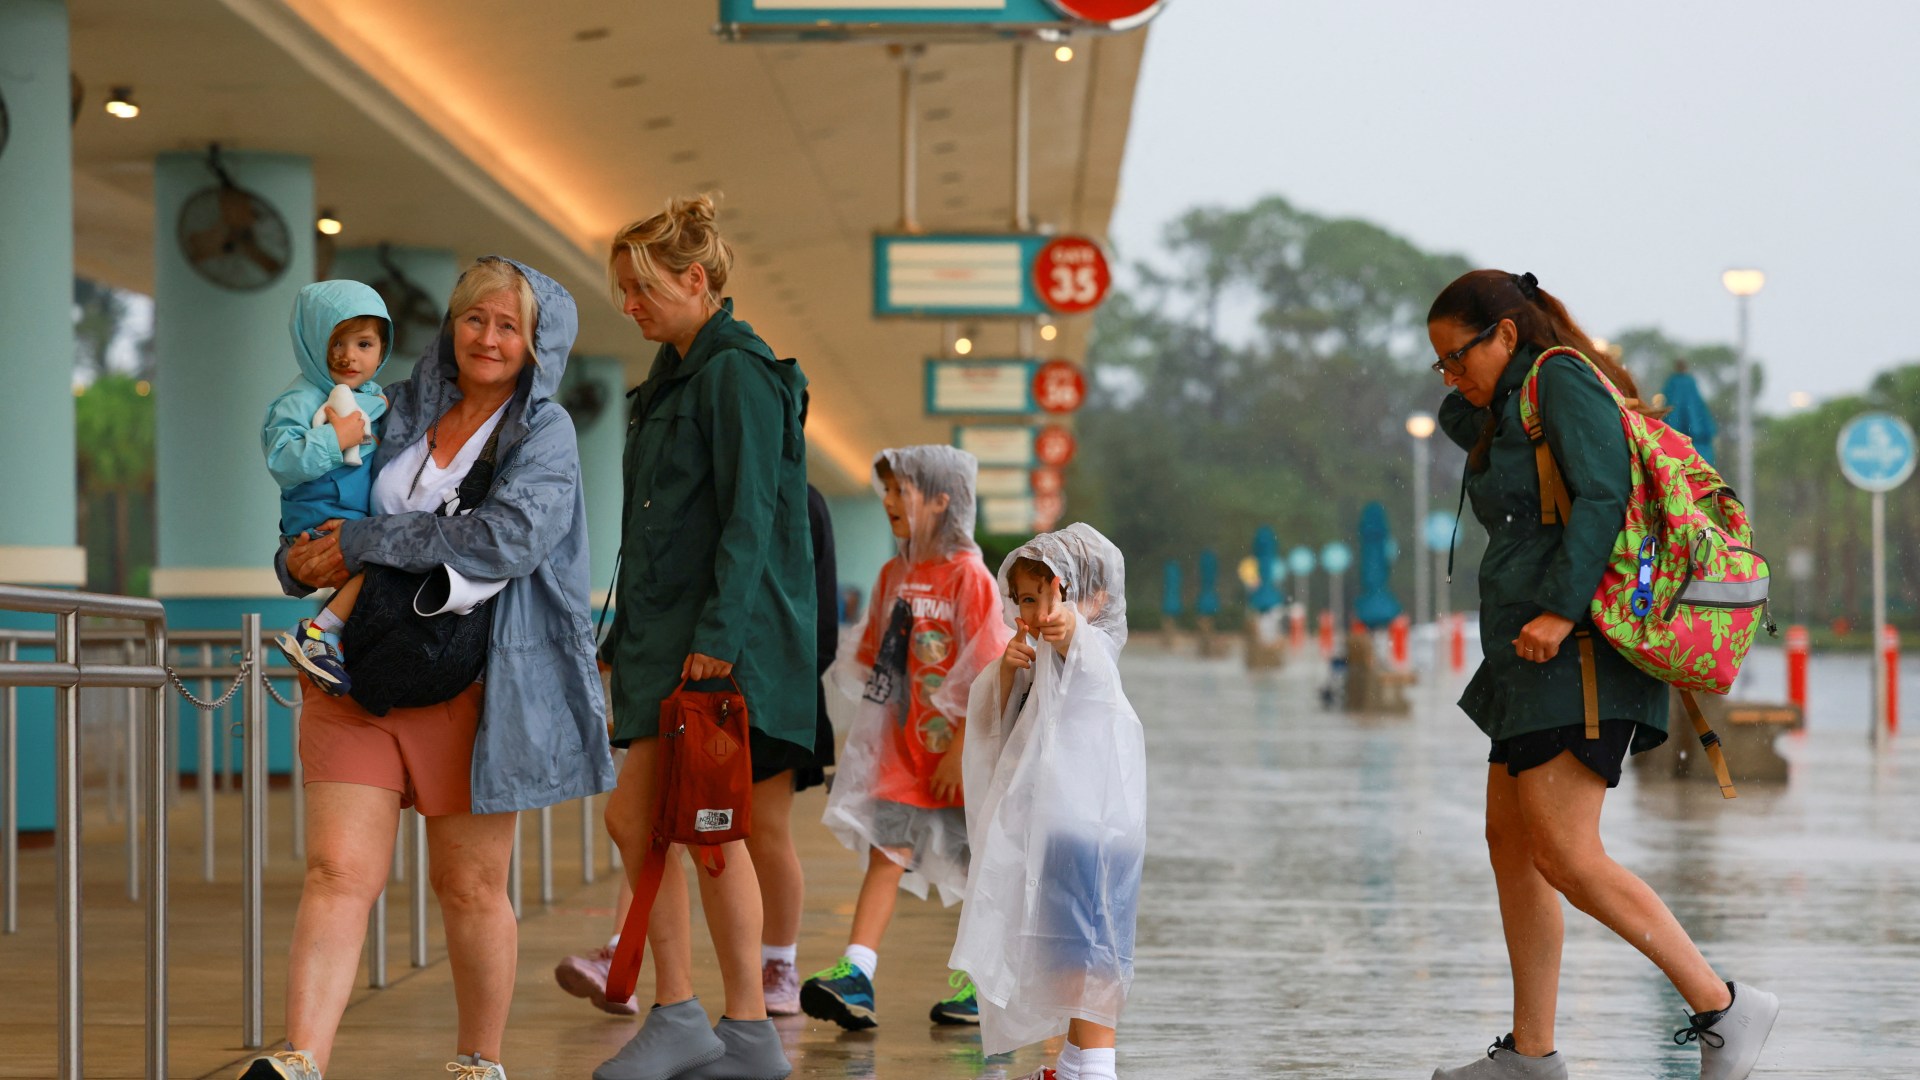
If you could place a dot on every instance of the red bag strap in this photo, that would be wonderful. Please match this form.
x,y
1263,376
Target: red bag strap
x,y
625,969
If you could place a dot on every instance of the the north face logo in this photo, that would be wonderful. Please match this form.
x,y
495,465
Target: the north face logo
x,y
713,821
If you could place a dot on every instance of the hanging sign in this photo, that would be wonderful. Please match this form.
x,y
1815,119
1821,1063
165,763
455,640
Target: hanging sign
x,y
1001,516
1011,445
834,20
1047,511
987,275
1055,446
981,387
1059,387
1072,275
995,481
1047,481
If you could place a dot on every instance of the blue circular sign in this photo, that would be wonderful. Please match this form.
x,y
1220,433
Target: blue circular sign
x,y
1336,557
1439,533
1300,560
1876,451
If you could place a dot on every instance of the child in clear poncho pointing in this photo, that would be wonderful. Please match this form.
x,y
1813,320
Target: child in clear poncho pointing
x,y
1056,810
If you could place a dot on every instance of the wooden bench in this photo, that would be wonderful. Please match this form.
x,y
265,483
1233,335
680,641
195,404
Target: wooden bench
x,y
1747,730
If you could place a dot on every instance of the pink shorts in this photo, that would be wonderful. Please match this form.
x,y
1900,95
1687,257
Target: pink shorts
x,y
424,754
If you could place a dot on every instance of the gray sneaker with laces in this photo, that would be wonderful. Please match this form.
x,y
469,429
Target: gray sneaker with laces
x,y
1502,1063
1730,1040
475,1067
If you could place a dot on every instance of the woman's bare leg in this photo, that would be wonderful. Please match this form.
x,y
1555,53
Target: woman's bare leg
x,y
469,856
783,884
630,813
1529,916
732,904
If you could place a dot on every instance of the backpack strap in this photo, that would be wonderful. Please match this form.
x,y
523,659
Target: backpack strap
x,y
625,969
1710,742
1589,684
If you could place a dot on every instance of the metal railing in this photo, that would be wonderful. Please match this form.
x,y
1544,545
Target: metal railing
x,y
66,674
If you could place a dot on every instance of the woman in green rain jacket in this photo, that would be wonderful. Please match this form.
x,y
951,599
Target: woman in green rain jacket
x,y
1546,779
716,581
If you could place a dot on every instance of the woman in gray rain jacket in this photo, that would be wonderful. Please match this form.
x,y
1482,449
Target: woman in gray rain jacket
x,y
531,734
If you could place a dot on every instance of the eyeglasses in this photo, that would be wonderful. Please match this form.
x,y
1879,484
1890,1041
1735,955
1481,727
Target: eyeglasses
x,y
1453,363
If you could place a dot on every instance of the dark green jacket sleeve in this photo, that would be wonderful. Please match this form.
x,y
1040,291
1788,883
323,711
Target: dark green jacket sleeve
x,y
1582,424
1461,421
741,410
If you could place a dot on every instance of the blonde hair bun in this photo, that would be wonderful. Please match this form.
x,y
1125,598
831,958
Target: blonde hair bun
x,y
668,243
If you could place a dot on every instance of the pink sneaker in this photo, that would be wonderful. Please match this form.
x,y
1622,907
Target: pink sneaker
x,y
586,976
780,983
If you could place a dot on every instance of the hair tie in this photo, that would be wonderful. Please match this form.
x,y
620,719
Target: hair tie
x,y
1528,285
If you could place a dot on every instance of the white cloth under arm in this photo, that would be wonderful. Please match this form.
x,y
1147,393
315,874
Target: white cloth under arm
x,y
394,492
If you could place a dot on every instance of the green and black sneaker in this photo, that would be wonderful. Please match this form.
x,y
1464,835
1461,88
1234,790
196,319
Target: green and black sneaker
x,y
962,1008
840,994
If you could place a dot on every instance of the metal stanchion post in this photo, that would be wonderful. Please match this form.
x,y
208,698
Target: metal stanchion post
x,y
160,766
586,841
418,823
398,871
513,868
546,855
10,807
377,943
299,772
133,779
66,842
206,766
253,830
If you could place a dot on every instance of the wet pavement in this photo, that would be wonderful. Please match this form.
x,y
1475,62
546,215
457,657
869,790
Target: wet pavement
x,y
1317,904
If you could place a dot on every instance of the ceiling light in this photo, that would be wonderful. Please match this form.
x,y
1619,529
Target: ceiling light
x,y
1063,54
120,103
1048,331
963,346
328,224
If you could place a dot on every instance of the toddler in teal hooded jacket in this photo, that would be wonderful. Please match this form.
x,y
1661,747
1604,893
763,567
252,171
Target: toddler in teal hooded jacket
x,y
313,439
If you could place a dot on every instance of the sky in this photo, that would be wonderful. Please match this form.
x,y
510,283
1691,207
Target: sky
x,y
1624,152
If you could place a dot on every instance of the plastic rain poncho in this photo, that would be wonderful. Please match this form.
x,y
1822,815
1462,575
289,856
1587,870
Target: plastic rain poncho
x,y
899,685
1056,808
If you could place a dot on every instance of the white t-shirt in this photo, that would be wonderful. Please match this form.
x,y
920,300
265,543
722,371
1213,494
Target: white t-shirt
x,y
395,492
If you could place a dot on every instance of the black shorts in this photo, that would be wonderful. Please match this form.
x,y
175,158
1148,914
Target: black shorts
x,y
1603,755
772,756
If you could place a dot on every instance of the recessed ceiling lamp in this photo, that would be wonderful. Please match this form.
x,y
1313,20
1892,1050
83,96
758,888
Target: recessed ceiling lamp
x,y
1048,332
328,224
120,103
963,346
1064,53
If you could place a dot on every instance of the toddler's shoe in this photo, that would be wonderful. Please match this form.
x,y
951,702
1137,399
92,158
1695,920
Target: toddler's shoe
x,y
962,1008
780,984
1730,1040
585,976
842,994
1502,1063
316,652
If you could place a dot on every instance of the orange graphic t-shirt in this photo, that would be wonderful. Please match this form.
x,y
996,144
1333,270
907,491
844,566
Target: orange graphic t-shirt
x,y
920,621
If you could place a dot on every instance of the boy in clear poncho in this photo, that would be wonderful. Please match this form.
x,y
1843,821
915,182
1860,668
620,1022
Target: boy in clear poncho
x,y
932,626
1056,810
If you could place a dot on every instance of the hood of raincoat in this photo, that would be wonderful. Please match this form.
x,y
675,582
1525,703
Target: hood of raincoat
x,y
1092,567
925,472
322,306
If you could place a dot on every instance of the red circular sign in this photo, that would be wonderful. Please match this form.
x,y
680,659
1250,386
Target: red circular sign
x,y
1108,12
1058,387
1048,481
1055,446
1072,275
1047,510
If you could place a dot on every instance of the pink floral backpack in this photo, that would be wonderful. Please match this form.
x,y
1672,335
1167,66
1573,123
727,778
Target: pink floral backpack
x,y
1684,593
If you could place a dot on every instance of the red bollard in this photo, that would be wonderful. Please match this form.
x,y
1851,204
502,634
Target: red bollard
x,y
1297,629
1398,631
1326,634
1890,650
1799,645
1457,654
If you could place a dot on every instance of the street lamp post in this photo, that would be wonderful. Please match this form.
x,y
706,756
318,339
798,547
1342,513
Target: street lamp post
x,y
1744,283
1420,426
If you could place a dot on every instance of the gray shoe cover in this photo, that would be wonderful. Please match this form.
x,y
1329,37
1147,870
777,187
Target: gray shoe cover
x,y
673,1039
753,1053
1501,1063
1729,1049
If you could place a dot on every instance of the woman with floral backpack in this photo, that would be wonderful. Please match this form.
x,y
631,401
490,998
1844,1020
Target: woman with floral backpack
x,y
1561,705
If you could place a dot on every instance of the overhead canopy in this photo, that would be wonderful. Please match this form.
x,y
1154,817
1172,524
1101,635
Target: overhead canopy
x,y
537,130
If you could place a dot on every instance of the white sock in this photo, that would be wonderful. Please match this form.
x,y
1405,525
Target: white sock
x,y
479,1062
863,958
786,953
328,621
1097,1065
613,942
1068,1067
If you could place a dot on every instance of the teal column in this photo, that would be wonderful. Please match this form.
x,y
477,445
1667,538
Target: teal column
x,y
36,354
862,541
416,316
602,440
221,355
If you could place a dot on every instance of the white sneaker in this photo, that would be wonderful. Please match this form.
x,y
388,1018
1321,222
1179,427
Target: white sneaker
x,y
282,1065
475,1067
1731,1045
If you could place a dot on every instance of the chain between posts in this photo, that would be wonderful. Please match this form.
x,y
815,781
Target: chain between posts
x,y
274,694
208,706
